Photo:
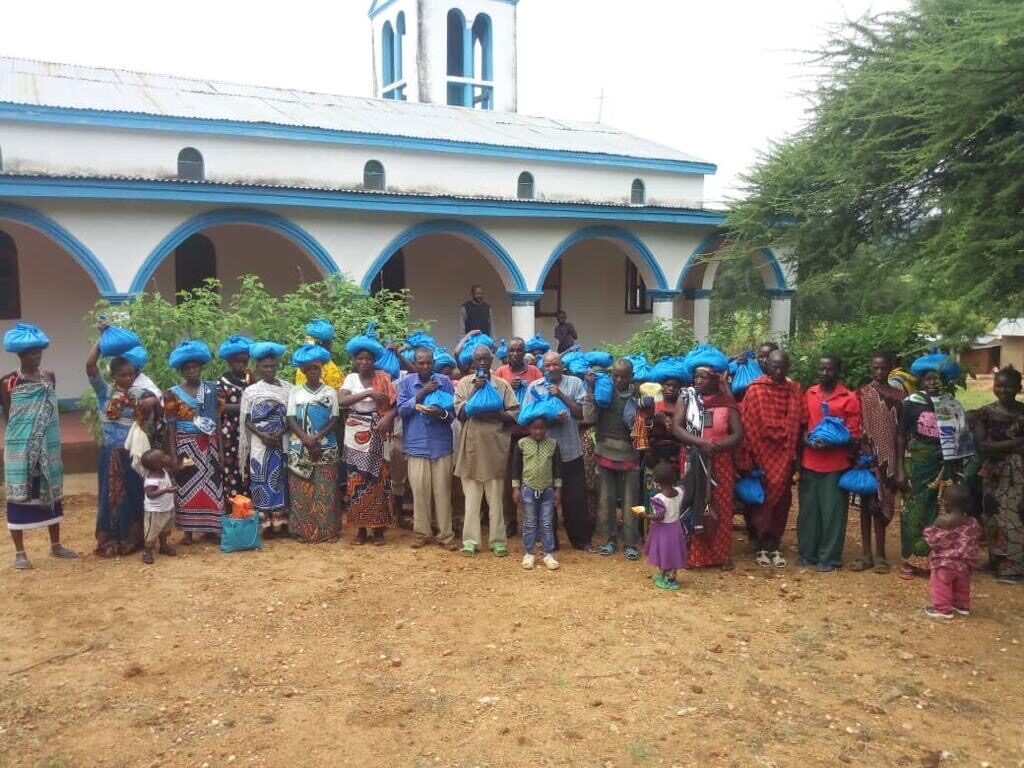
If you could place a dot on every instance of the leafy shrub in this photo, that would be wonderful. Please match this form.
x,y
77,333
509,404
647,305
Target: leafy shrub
x,y
657,339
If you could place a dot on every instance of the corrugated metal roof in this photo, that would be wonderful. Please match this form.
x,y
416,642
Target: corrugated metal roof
x,y
44,84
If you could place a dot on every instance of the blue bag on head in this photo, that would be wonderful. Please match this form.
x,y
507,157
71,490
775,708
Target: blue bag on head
x,y
189,351
946,366
310,353
240,534
137,357
260,350
831,430
860,480
502,352
388,362
365,342
670,368
320,329
641,368
537,345
116,341
25,336
420,339
603,390
439,399
744,370
599,358
235,345
543,406
443,359
749,489
578,367
466,355
487,399
707,356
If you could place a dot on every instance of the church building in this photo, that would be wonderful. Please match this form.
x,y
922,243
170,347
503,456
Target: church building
x,y
115,182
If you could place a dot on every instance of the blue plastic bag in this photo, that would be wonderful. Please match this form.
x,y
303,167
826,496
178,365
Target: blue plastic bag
x,y
365,341
137,357
502,351
707,356
420,339
189,351
439,399
946,365
603,390
749,489
831,430
599,358
25,336
670,368
443,359
641,368
116,341
744,370
240,535
388,362
487,399
860,480
537,345
543,406
466,355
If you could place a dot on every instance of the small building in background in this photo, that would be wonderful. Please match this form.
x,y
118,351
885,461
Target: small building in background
x,y
1003,346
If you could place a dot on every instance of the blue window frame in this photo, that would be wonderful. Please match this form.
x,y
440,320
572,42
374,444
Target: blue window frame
x,y
392,76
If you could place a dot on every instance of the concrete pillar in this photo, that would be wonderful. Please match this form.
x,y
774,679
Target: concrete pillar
x,y
781,315
524,323
662,302
701,298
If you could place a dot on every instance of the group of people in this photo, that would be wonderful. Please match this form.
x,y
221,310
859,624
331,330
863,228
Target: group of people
x,y
623,461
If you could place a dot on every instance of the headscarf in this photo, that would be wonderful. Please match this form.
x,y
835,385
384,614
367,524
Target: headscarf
x,y
189,351
25,336
261,350
320,329
946,366
310,353
235,345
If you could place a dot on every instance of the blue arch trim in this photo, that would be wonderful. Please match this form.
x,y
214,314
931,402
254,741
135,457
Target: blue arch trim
x,y
773,261
623,236
447,227
712,241
220,217
78,250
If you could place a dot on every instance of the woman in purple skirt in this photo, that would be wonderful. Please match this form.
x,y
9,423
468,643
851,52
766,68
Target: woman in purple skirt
x,y
666,543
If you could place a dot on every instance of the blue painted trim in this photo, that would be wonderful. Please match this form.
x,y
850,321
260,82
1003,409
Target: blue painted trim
x,y
379,5
236,194
447,227
697,293
780,293
524,297
221,217
773,262
707,245
624,236
78,250
194,125
119,298
659,294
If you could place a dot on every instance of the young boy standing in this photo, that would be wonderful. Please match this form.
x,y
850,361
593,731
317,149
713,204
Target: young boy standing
x,y
537,485
158,505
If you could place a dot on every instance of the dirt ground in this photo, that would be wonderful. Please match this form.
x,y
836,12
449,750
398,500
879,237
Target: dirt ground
x,y
334,655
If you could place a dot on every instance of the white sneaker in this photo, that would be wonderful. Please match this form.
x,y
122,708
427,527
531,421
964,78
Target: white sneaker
x,y
528,561
551,563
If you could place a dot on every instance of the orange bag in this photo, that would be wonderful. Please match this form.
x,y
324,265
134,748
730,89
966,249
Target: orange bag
x,y
241,507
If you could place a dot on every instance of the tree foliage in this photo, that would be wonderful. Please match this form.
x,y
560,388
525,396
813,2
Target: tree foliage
x,y
905,189
657,339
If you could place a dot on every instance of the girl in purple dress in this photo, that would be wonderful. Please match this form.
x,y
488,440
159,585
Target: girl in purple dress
x,y
666,543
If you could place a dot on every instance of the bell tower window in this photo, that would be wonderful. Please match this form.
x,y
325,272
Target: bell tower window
x,y
392,40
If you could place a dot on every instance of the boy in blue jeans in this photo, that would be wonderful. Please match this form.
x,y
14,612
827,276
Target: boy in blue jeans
x,y
537,486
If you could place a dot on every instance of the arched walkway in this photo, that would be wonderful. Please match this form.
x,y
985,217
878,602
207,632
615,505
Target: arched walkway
x,y
231,216
637,250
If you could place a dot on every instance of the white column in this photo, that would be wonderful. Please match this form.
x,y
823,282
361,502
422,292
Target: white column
x,y
701,298
782,309
524,322
661,303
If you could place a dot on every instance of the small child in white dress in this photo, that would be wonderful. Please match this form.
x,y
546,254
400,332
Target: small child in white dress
x,y
158,505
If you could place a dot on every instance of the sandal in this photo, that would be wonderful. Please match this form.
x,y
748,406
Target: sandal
x,y
499,549
59,550
21,562
778,560
661,583
631,553
606,550
360,538
882,565
907,572
147,556
762,558
468,549
861,564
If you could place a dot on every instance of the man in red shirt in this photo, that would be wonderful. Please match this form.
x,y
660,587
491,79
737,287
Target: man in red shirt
x,y
821,524
519,375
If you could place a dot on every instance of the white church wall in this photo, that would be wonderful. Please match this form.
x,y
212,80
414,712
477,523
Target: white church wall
x,y
82,151
56,294
410,43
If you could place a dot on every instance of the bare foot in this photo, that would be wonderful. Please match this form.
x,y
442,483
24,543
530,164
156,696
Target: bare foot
x,y
186,540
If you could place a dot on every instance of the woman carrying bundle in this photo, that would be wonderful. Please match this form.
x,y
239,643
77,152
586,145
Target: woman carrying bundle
x,y
263,441
370,397
313,451
192,409
235,352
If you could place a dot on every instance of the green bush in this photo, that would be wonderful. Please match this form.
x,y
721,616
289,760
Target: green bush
x,y
203,314
657,339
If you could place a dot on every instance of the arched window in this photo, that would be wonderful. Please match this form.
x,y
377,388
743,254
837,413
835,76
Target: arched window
x,y
387,54
526,187
483,54
373,176
459,93
195,261
10,285
638,195
190,165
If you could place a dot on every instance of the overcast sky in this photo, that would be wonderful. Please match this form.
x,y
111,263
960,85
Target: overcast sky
x,y
715,79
